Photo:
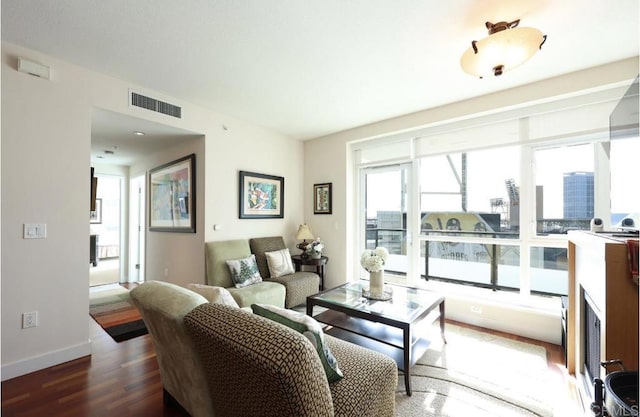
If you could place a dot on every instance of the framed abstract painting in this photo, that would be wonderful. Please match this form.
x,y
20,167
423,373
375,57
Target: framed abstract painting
x,y
172,196
261,196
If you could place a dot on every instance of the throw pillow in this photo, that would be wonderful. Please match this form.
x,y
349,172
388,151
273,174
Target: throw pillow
x,y
214,294
279,262
244,271
309,328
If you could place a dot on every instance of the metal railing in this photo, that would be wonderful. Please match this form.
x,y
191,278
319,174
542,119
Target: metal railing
x,y
395,242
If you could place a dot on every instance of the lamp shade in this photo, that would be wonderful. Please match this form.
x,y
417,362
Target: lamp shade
x,y
304,233
506,47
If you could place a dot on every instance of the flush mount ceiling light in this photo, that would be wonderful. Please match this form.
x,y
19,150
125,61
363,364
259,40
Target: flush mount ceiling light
x,y
506,47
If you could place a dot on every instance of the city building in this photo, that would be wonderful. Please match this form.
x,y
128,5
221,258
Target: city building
x,y
578,195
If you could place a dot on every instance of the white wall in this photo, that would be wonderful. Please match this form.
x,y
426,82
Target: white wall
x,y
245,148
180,254
46,136
337,229
46,130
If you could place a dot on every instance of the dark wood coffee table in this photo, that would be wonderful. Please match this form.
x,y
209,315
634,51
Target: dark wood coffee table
x,y
393,327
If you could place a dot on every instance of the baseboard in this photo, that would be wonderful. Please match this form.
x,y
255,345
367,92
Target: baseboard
x,y
37,363
527,322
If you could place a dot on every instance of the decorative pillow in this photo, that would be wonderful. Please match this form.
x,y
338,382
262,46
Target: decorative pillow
x,y
279,262
244,271
214,294
309,328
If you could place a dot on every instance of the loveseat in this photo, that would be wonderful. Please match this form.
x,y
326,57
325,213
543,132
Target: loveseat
x,y
218,359
288,290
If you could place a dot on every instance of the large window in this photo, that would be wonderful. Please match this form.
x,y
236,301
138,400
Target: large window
x,y
472,225
625,198
473,193
564,188
489,201
467,199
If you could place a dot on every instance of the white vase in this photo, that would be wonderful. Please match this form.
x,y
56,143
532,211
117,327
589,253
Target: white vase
x,y
376,283
316,255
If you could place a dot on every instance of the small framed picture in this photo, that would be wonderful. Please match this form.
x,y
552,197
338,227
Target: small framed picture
x,y
322,198
261,196
96,215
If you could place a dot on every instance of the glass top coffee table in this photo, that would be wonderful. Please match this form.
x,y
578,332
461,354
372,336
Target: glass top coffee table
x,y
394,327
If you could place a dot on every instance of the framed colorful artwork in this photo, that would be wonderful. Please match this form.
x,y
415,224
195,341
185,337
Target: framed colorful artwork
x,y
261,196
322,198
172,196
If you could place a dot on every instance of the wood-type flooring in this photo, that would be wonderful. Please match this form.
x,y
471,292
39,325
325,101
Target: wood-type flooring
x,y
123,380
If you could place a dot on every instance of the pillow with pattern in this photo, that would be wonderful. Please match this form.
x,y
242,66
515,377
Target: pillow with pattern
x,y
214,294
309,328
279,262
244,271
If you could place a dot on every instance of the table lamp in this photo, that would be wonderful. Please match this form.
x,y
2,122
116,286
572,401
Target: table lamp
x,y
304,234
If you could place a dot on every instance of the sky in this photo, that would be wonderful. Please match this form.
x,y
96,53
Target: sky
x,y
488,170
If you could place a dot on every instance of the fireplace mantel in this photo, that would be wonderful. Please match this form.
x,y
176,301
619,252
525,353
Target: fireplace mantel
x,y
599,272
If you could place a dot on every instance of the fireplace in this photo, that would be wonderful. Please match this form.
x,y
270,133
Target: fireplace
x,y
591,334
602,316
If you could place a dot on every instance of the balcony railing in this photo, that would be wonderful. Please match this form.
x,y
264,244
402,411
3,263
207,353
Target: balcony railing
x,y
464,261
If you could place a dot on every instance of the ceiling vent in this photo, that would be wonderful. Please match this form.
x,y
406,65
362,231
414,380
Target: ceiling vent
x,y
138,100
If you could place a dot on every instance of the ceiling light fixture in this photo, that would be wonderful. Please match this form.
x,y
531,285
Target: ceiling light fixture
x,y
506,47
138,133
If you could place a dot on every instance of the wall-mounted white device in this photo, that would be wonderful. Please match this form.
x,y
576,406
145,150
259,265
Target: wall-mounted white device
x,y
33,68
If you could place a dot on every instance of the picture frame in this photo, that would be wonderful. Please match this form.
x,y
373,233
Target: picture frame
x,y
261,196
95,216
172,196
322,198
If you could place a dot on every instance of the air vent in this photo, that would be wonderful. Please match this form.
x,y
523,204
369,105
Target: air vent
x,y
158,106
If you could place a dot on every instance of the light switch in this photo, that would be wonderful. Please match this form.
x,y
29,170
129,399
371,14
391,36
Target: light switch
x,y
35,231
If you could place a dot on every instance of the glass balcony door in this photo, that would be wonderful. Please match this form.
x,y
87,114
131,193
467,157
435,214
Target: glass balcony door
x,y
387,216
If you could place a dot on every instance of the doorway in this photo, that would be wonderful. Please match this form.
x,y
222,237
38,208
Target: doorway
x,y
387,215
137,204
105,229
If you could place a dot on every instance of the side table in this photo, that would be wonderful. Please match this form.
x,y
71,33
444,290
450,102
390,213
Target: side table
x,y
298,261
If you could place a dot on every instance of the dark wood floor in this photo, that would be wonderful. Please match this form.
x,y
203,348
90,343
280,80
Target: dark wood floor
x,y
120,380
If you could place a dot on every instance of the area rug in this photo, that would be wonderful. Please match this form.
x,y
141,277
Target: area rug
x,y
477,374
112,308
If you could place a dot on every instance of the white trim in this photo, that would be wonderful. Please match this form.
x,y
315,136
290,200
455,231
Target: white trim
x,y
36,363
548,105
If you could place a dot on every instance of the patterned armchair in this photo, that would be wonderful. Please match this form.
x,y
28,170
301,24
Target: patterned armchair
x,y
257,367
299,285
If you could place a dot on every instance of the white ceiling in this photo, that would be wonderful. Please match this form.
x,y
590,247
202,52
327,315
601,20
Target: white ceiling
x,y
308,68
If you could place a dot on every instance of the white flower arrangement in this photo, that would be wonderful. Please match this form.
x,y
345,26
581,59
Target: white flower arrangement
x,y
374,260
315,247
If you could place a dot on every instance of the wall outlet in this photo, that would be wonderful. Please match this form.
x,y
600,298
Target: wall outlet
x,y
29,319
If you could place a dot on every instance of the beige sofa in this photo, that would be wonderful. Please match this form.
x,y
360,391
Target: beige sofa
x,y
216,255
163,307
288,290
220,360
